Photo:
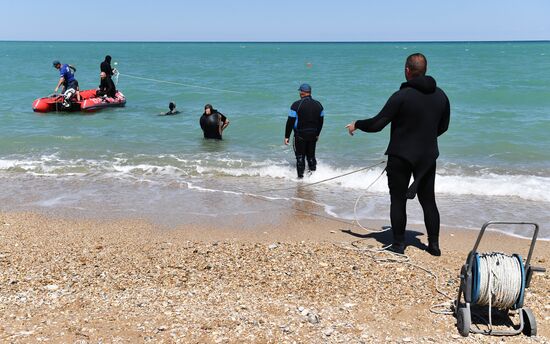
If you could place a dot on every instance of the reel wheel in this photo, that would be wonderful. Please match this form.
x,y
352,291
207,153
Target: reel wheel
x,y
463,321
529,322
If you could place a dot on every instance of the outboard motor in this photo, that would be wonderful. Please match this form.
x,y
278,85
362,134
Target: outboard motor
x,y
67,97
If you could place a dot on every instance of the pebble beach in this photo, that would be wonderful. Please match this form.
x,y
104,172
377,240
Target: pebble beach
x,y
305,281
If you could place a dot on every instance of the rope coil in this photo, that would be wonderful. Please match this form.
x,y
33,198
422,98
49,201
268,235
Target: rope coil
x,y
500,280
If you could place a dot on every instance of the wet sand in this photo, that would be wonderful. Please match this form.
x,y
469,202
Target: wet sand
x,y
295,280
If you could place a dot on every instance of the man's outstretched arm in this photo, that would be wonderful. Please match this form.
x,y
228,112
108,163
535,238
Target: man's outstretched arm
x,y
380,121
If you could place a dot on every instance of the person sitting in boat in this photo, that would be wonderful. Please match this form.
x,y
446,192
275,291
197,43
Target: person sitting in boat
x,y
213,123
106,87
68,81
105,67
172,110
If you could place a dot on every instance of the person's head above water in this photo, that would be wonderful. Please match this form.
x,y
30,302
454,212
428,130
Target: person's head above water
x,y
208,109
305,90
56,64
108,58
416,65
102,75
172,106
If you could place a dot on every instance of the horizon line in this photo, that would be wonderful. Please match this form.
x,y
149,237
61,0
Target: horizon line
x,y
298,42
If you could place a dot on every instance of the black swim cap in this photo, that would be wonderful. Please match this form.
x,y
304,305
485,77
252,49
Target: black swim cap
x,y
108,58
171,106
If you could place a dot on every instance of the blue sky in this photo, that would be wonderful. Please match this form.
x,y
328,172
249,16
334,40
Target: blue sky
x,y
282,20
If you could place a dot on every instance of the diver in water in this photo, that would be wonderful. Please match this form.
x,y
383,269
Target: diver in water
x,y
213,123
172,110
67,79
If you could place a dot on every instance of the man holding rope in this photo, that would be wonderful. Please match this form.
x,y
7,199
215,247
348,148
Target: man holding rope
x,y
419,113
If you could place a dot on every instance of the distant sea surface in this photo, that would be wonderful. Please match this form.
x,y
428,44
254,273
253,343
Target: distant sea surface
x,y
128,162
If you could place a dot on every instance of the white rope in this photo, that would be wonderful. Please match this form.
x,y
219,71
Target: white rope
x,y
117,74
329,179
384,229
180,84
500,280
384,256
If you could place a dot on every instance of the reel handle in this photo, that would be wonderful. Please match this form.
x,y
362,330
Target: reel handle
x,y
492,223
530,271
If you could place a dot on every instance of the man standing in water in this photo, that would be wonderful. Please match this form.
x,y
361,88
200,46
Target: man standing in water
x,y
213,123
306,118
419,112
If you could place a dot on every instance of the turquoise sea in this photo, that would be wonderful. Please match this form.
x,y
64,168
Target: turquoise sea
x,y
494,163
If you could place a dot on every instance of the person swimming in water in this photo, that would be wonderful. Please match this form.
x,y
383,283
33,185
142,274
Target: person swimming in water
x,y
213,123
172,110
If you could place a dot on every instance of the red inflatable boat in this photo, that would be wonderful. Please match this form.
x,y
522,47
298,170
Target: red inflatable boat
x,y
88,102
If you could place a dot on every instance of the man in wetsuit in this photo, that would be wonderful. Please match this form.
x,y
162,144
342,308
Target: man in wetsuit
x,y
213,123
172,110
419,113
106,86
106,68
68,81
306,118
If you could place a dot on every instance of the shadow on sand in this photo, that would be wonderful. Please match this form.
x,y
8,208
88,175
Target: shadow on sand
x,y
412,238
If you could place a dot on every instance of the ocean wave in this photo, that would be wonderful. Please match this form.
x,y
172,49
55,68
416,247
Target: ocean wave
x,y
453,181
487,184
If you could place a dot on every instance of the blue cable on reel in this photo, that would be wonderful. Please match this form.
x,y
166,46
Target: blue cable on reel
x,y
519,302
475,279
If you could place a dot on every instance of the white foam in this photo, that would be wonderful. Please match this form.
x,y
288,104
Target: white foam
x,y
527,187
68,138
451,181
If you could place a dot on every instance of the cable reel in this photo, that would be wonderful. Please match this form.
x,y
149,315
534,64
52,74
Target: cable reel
x,y
496,281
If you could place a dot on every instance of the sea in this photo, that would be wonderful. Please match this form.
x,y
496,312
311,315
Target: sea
x,y
132,163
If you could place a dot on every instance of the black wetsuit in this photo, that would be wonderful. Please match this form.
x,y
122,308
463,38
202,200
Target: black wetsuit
x,y
419,112
106,87
106,67
211,124
171,113
306,118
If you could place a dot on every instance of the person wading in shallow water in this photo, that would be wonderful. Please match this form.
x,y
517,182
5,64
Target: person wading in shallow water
x,y
213,123
419,113
306,118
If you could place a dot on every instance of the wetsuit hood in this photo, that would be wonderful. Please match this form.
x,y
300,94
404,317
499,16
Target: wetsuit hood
x,y
425,84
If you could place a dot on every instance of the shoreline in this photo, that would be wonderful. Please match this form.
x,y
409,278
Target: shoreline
x,y
128,280
223,201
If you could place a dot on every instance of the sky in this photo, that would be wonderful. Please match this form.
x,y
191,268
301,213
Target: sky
x,y
281,20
